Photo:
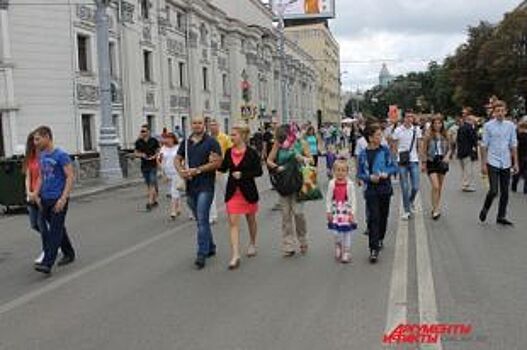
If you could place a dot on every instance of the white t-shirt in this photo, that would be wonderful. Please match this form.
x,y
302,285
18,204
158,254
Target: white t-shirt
x,y
360,146
404,137
168,155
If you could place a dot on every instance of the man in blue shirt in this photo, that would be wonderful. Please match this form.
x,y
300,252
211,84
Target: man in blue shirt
x,y
57,183
499,157
203,159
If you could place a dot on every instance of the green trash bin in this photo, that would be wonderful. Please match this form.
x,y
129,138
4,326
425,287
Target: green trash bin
x,y
12,183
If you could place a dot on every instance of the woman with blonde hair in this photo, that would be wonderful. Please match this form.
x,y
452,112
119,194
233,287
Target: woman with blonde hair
x,y
435,156
243,165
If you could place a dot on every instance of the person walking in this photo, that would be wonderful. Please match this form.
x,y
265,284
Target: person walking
x,y
406,140
499,157
31,167
147,148
467,149
376,166
522,157
288,148
202,156
225,143
243,165
57,179
436,156
312,141
339,210
167,161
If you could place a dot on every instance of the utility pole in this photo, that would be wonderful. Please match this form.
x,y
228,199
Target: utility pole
x,y
110,169
281,51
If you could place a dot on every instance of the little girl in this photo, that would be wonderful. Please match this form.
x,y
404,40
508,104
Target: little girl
x,y
339,209
166,159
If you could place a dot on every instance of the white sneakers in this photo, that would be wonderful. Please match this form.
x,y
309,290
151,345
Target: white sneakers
x,y
406,216
40,258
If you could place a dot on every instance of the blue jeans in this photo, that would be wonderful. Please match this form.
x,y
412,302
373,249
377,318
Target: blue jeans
x,y
150,177
54,234
36,221
409,179
199,203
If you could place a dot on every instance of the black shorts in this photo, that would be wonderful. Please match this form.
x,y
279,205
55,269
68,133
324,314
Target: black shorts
x,y
435,167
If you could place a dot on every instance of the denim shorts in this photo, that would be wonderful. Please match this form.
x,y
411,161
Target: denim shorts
x,y
150,176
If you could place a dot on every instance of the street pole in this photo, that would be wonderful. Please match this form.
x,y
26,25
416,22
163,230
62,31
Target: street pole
x,y
110,169
283,63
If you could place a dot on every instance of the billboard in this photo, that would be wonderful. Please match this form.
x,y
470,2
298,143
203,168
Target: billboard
x,y
305,9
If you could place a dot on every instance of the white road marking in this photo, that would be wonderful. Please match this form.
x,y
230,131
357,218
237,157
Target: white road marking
x,y
397,300
55,284
425,280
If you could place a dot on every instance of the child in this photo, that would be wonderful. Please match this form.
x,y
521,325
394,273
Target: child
x,y
331,157
166,160
339,210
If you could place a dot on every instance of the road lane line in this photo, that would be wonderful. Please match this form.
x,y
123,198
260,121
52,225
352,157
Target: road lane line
x,y
55,284
425,280
397,300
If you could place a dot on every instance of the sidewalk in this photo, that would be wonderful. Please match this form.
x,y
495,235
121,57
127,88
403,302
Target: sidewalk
x,y
96,186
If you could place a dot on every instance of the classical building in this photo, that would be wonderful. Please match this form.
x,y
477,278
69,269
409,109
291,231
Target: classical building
x,y
385,77
160,74
317,39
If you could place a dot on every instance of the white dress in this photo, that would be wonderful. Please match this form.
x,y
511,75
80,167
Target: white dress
x,y
168,156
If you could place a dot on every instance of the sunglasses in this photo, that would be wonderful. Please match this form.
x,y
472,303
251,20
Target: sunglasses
x,y
144,131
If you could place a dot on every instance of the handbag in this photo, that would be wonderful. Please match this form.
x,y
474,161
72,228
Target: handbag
x,y
310,190
404,156
288,181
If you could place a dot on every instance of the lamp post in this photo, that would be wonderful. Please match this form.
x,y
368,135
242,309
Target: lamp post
x,y
281,51
110,169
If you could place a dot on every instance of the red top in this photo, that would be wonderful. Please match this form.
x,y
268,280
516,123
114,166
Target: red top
x,y
33,169
341,191
237,155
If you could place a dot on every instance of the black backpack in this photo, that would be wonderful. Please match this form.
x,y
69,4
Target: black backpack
x,y
290,180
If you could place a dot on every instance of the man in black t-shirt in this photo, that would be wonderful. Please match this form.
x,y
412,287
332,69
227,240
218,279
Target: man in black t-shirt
x,y
147,148
268,141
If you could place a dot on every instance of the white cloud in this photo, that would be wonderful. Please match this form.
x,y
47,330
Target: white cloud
x,y
407,34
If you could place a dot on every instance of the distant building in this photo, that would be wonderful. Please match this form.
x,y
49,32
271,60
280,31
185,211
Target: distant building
x,y
523,6
385,77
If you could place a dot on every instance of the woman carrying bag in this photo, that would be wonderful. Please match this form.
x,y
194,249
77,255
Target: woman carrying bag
x,y
286,157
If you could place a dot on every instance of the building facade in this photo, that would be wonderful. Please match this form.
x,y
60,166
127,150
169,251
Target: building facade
x,y
385,77
170,60
317,39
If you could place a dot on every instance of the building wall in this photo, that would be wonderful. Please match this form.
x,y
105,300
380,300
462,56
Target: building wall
x,y
252,12
39,62
319,42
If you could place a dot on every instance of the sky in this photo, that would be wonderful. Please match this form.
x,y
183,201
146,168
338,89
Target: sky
x,y
405,34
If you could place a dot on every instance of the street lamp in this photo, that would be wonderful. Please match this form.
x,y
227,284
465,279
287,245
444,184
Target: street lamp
x,y
281,50
110,169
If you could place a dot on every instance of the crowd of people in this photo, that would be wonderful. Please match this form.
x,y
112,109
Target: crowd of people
x,y
210,166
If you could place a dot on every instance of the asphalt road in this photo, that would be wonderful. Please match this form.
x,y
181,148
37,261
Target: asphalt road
x,y
134,285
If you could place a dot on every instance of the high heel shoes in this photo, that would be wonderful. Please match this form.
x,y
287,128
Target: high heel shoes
x,y
234,264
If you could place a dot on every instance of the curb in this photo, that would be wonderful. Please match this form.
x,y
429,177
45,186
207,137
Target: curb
x,y
75,195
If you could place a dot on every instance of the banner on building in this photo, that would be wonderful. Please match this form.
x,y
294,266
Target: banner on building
x,y
305,9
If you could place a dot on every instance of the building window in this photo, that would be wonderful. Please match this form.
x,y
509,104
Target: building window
x,y
170,73
116,125
147,61
222,41
172,123
179,21
168,10
83,52
145,7
225,84
181,74
226,125
2,147
87,132
113,60
151,122
205,79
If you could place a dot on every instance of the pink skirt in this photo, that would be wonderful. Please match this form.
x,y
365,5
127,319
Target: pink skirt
x,y
239,205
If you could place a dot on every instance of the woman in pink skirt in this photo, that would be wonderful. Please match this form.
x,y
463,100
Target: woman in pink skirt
x,y
241,197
